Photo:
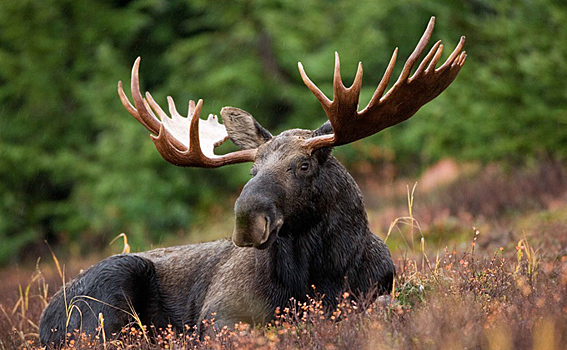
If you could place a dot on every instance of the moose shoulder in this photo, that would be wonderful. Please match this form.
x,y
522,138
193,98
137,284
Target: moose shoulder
x,y
299,222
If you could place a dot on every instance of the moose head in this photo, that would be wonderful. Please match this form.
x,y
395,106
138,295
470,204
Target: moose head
x,y
294,157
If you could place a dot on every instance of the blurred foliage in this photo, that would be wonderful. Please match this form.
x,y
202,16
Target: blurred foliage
x,y
76,169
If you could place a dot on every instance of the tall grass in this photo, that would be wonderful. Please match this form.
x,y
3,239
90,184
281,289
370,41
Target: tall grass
x,y
19,322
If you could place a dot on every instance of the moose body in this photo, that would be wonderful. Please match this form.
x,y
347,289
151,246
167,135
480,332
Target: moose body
x,y
323,243
300,221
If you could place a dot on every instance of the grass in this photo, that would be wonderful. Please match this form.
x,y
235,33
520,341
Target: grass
x,y
479,293
514,299
510,299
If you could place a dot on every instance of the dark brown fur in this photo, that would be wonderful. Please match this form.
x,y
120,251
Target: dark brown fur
x,y
303,214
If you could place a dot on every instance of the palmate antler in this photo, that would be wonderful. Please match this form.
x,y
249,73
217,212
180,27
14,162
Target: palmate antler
x,y
190,141
401,102
181,141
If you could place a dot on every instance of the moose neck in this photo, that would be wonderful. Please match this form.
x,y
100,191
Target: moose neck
x,y
320,244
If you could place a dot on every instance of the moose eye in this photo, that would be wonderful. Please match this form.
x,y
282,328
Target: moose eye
x,y
304,166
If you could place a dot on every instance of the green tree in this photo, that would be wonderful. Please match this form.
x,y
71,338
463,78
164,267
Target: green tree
x,y
53,57
75,168
509,103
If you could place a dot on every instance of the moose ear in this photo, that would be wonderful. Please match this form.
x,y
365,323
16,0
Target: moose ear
x,y
324,129
243,130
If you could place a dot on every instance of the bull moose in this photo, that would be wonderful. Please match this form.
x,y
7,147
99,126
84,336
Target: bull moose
x,y
299,222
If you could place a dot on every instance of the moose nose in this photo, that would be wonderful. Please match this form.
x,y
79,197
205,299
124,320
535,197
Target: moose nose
x,y
251,231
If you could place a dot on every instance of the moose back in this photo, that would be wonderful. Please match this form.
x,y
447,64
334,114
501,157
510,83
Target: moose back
x,y
299,222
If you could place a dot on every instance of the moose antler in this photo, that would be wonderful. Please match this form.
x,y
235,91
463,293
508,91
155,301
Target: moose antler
x,y
401,102
181,141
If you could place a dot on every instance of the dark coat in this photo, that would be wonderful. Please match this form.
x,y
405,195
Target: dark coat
x,y
314,234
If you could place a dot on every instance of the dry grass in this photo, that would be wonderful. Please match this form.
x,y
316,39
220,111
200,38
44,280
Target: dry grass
x,y
509,299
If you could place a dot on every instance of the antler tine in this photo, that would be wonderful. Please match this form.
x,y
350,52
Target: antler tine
x,y
417,52
194,142
456,53
345,100
152,105
125,101
167,144
436,58
173,108
314,89
141,112
384,81
431,59
175,141
338,85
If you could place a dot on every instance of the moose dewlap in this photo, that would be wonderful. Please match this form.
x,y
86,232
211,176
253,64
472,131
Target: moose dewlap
x,y
299,222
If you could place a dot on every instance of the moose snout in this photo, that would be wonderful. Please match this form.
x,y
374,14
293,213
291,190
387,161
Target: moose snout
x,y
257,230
257,217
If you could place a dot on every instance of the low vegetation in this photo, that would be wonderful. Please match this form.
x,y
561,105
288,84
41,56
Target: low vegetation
x,y
509,299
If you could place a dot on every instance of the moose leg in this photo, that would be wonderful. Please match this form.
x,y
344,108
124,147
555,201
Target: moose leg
x,y
117,288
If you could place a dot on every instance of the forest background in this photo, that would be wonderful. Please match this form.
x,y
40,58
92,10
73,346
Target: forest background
x,y
76,170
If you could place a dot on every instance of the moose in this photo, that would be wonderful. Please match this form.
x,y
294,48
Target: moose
x,y
300,221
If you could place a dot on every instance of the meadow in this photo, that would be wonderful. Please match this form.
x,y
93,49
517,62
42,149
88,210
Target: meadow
x,y
481,259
